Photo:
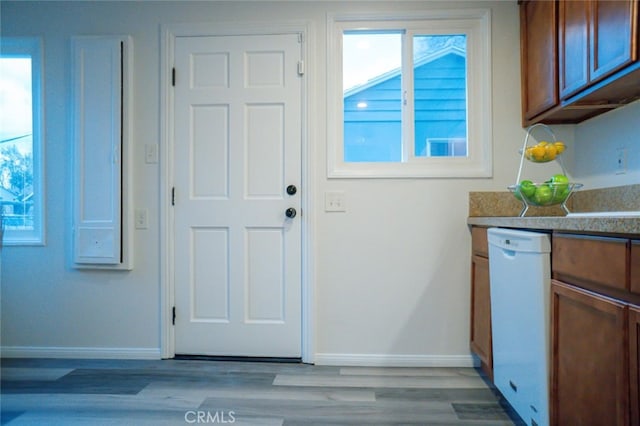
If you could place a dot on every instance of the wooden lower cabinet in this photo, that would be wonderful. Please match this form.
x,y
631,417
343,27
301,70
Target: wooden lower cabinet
x,y
635,267
580,259
481,343
634,364
590,358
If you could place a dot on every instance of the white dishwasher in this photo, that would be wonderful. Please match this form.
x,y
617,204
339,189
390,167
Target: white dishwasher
x,y
520,281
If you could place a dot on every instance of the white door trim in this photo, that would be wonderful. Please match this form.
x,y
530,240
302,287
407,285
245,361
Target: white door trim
x,y
168,34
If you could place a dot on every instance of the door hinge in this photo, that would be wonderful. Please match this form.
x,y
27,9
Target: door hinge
x,y
300,37
173,196
301,67
173,315
173,77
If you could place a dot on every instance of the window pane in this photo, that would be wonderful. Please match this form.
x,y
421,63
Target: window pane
x,y
371,66
16,144
440,95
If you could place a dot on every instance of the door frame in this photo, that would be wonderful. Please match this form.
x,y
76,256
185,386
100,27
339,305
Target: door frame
x,y
168,33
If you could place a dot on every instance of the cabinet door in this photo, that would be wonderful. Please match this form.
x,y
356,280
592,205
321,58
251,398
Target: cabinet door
x,y
589,373
573,46
634,364
635,266
481,313
539,55
613,34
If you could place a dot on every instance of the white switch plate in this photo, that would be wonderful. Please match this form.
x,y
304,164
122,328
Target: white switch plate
x,y
335,201
151,153
141,219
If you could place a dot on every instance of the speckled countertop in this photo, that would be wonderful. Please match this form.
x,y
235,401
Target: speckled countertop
x,y
502,209
607,225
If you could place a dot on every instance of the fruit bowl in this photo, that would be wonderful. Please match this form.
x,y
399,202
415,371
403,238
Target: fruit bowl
x,y
543,194
544,152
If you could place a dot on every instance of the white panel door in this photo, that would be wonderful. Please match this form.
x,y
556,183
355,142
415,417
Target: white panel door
x,y
97,106
237,148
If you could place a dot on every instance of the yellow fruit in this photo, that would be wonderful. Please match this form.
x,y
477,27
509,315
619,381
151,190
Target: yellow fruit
x,y
538,152
528,152
560,147
543,143
550,152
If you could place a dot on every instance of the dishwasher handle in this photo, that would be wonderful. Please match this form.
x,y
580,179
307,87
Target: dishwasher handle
x,y
509,254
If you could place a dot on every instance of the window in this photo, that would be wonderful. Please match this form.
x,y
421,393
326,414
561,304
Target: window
x,y
21,191
410,96
445,147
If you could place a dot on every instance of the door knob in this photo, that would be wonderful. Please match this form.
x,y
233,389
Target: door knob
x,y
291,189
290,213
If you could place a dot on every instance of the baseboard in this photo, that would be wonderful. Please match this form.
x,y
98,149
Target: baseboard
x,y
384,360
78,352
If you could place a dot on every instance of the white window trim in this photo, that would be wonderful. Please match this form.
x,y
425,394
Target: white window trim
x,y
476,23
31,46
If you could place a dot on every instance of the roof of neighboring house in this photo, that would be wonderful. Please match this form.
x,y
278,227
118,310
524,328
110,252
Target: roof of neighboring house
x,y
6,195
429,57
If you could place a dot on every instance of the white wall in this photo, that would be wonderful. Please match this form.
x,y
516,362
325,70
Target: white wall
x,y
391,275
596,148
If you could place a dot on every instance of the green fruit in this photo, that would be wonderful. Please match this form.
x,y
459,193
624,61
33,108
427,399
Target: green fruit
x,y
561,182
560,195
543,195
527,188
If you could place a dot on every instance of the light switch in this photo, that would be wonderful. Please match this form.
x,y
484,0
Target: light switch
x,y
141,219
151,153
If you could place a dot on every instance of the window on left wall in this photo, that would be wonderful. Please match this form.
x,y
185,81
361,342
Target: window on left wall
x,y
21,146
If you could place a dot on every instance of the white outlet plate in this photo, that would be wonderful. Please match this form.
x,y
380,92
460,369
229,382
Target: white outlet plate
x,y
335,201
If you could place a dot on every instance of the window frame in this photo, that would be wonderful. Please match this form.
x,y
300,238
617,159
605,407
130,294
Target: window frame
x,y
476,25
31,47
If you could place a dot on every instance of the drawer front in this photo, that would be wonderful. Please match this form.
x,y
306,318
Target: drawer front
x,y
590,260
479,244
635,266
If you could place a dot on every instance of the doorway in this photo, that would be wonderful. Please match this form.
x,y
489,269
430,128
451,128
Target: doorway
x,y
237,189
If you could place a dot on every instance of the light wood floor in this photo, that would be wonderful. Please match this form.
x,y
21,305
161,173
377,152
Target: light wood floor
x,y
182,392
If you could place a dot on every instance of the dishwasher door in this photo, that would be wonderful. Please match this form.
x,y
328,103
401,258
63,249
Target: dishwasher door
x,y
520,282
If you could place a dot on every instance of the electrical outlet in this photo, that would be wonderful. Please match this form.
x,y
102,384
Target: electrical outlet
x,y
621,161
335,201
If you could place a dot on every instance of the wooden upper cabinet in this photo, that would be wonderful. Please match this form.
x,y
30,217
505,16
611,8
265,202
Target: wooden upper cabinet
x,y
595,39
614,36
573,46
538,49
580,58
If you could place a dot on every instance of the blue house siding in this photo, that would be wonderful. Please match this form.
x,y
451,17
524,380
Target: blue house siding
x,y
373,134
